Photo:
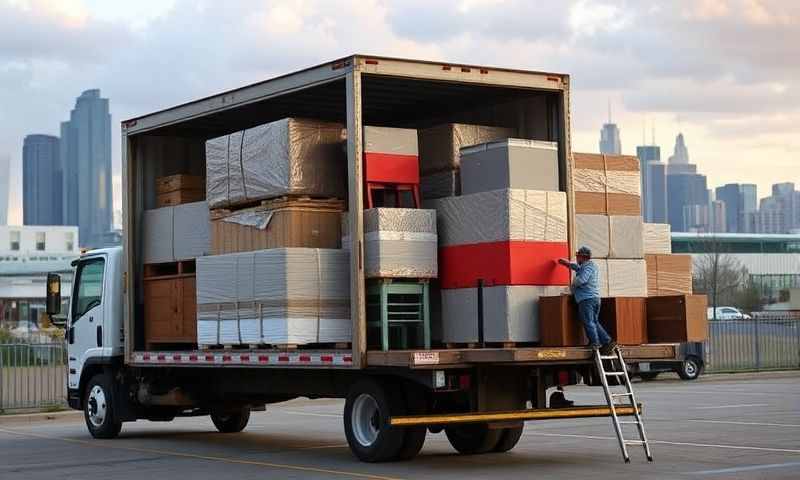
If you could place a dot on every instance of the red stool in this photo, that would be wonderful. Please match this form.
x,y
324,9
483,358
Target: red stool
x,y
392,191
391,175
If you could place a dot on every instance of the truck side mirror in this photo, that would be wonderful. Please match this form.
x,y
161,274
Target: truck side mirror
x,y
53,302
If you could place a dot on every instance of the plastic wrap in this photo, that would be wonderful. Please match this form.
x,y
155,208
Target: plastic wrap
x,y
510,163
627,236
279,296
593,231
439,146
657,238
597,181
627,278
502,215
397,141
440,185
176,233
398,243
289,156
511,313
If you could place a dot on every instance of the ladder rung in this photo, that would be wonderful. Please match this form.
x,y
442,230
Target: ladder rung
x,y
608,357
628,423
634,442
615,374
626,394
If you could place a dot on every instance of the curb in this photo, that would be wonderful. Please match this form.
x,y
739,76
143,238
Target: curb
x,y
35,418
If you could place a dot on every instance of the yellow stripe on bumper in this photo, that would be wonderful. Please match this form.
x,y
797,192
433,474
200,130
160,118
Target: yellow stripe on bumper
x,y
515,416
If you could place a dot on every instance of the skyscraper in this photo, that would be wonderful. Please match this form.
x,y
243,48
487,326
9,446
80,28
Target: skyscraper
x,y
654,183
86,157
740,201
5,171
687,192
609,139
41,181
780,212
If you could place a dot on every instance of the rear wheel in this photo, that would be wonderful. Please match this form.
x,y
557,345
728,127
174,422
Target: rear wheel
x,y
98,408
690,368
367,411
473,438
509,439
231,421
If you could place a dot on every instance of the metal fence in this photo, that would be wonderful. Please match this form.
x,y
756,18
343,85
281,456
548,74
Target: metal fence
x,y
757,344
33,374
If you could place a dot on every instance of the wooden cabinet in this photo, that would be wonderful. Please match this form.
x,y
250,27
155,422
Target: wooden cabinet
x,y
677,318
559,323
170,309
625,319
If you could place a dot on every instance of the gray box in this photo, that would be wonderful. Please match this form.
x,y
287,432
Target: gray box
x,y
510,163
176,233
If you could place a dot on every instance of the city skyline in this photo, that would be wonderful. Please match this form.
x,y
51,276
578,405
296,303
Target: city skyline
x,y
735,104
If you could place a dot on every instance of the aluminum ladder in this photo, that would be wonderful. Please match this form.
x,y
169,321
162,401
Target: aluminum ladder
x,y
611,397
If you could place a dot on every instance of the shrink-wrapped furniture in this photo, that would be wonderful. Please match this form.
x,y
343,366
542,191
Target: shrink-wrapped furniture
x,y
509,163
176,233
606,184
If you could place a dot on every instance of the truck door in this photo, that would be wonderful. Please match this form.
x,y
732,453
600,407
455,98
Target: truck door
x,y
86,316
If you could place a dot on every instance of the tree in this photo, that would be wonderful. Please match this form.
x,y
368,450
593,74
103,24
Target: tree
x,y
724,279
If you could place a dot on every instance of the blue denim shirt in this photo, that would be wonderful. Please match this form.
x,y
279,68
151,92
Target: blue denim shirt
x,y
585,284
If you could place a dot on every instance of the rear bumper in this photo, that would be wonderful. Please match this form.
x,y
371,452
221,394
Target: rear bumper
x,y
511,416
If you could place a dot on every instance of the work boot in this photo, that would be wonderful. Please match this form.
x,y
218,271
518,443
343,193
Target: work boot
x,y
608,348
558,400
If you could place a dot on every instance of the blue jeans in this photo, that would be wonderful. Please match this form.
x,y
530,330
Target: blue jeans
x,y
589,311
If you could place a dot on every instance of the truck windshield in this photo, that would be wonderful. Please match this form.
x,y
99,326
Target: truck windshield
x,y
89,288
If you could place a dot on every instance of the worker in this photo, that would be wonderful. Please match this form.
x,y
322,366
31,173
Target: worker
x,y
587,295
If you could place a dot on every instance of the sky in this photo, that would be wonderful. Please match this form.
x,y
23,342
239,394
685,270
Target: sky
x,y
722,72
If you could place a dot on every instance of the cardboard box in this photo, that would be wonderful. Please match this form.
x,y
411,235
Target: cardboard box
x,y
276,296
669,275
180,181
622,277
509,163
310,223
616,236
560,324
179,197
176,233
440,185
170,311
292,156
606,184
440,146
677,318
657,239
510,314
625,319
398,242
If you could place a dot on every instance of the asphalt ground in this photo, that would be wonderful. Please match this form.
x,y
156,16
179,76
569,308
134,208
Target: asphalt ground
x,y
725,427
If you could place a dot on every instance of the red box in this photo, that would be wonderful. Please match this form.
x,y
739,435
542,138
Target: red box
x,y
391,168
503,263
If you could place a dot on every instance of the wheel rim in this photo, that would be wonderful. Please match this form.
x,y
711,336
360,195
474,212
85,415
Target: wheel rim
x,y
96,404
690,369
365,420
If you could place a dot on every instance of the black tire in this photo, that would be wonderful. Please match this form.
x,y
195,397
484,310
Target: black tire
x,y
690,368
473,438
99,409
231,421
367,410
414,439
648,376
509,439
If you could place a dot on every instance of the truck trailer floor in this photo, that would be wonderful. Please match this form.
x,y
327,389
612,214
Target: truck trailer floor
x,y
721,427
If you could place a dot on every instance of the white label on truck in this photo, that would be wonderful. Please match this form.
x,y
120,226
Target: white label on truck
x,y
426,358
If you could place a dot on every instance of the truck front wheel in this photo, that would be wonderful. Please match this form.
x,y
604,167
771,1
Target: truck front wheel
x,y
367,410
99,409
231,421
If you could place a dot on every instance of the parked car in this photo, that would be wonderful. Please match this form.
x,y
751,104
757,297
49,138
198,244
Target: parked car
x,y
728,313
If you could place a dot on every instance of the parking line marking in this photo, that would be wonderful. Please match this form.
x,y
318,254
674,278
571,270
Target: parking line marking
x,y
748,468
664,442
747,423
195,456
732,406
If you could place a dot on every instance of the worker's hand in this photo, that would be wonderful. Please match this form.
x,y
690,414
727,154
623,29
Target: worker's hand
x,y
563,261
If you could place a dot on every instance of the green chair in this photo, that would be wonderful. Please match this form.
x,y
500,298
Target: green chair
x,y
399,305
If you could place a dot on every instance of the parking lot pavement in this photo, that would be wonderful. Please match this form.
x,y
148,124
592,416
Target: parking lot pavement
x,y
715,428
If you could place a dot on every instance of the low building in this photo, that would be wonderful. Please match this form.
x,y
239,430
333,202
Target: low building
x,y
27,255
772,261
